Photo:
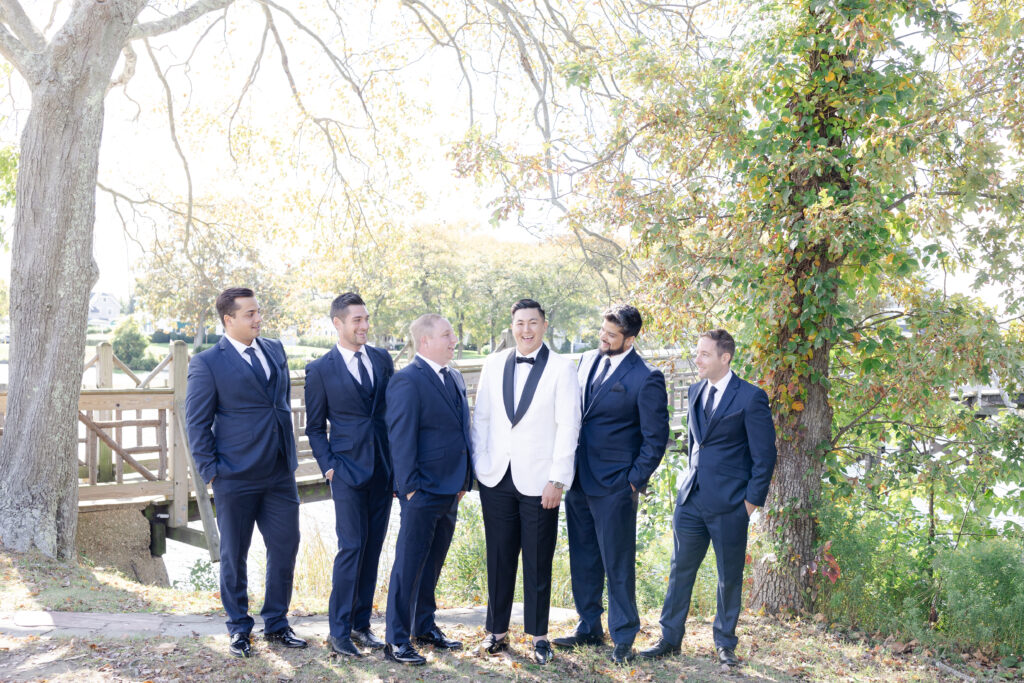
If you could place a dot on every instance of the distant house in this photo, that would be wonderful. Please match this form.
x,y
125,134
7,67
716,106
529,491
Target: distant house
x,y
103,308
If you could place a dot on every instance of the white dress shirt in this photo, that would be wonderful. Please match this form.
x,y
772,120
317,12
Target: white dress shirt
x,y
719,386
240,347
433,366
349,356
521,374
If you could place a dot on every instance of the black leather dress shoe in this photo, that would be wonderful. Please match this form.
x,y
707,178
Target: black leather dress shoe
x,y
577,639
623,653
366,638
542,652
285,637
492,645
727,656
403,654
343,646
240,645
437,639
660,649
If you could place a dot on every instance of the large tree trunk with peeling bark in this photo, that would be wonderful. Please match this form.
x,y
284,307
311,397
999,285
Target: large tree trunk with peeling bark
x,y
52,273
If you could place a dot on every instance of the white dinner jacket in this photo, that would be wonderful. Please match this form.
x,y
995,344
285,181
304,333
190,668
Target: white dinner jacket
x,y
544,439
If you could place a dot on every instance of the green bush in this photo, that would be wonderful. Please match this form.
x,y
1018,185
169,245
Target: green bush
x,y
159,337
464,576
145,364
319,342
129,343
981,595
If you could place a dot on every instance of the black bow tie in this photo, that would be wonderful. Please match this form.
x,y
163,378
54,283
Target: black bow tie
x,y
524,359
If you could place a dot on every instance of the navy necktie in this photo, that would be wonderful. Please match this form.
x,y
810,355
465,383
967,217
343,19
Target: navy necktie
x,y
449,384
709,405
364,376
257,367
599,380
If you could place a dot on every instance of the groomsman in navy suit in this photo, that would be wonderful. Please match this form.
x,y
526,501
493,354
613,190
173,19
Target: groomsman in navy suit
x,y
431,450
239,420
347,388
622,441
731,438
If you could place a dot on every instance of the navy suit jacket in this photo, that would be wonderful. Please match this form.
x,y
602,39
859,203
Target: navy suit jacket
x,y
429,435
737,446
625,427
357,429
237,427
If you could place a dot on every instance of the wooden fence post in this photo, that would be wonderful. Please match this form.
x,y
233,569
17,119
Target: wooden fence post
x,y
105,380
179,450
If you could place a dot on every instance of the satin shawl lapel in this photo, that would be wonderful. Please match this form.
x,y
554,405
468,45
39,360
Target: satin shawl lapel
x,y
583,374
433,379
694,417
232,357
625,366
508,386
723,405
536,370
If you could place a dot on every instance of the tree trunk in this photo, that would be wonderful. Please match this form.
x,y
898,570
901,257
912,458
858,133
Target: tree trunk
x,y
52,273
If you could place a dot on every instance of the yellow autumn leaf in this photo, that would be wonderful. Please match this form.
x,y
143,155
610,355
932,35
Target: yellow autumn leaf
x,y
830,77
797,406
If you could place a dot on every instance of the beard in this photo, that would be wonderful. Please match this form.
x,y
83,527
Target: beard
x,y
612,351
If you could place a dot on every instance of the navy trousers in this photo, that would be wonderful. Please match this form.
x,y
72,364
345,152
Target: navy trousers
x,y
693,528
428,522
361,522
272,504
602,542
512,522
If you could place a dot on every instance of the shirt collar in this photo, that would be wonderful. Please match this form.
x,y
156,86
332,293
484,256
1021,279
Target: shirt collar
x,y
240,347
532,354
433,366
348,354
617,360
721,384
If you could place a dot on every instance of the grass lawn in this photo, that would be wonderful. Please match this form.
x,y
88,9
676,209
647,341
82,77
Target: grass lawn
x,y
772,650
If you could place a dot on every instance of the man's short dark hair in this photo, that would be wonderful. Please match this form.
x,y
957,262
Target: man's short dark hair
x,y
626,317
723,342
339,307
527,303
226,301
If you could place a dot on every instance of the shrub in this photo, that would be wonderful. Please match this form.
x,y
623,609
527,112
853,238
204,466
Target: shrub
x,y
159,337
319,342
981,595
145,364
129,343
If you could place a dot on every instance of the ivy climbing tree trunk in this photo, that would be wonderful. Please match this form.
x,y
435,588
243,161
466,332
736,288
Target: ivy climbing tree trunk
x,y
52,269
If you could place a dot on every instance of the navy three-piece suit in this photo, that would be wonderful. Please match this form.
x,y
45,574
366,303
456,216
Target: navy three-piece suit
x,y
240,432
735,462
431,449
622,441
356,448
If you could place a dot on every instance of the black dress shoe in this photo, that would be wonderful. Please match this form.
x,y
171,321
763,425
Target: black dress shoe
x,y
727,656
403,654
343,646
492,645
367,639
437,639
240,645
577,639
623,653
660,649
542,652
286,637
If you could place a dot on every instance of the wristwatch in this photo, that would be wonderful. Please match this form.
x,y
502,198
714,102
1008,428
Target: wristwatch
x,y
557,484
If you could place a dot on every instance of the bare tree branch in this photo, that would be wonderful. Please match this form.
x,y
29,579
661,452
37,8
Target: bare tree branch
x,y
12,13
130,61
176,21
25,61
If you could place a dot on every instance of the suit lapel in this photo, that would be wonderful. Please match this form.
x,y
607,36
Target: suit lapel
x,y
536,370
344,377
378,375
436,381
241,365
270,387
728,395
583,375
694,420
508,386
614,376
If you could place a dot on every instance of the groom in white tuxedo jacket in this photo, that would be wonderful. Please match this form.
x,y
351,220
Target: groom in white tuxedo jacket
x,y
526,422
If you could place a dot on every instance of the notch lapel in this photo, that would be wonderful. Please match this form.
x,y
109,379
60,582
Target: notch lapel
x,y
378,376
433,379
241,366
624,366
536,370
728,395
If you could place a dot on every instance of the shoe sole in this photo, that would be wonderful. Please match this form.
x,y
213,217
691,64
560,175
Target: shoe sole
x,y
399,661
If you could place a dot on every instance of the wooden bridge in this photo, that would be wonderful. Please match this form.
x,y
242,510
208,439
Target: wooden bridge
x,y
133,450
